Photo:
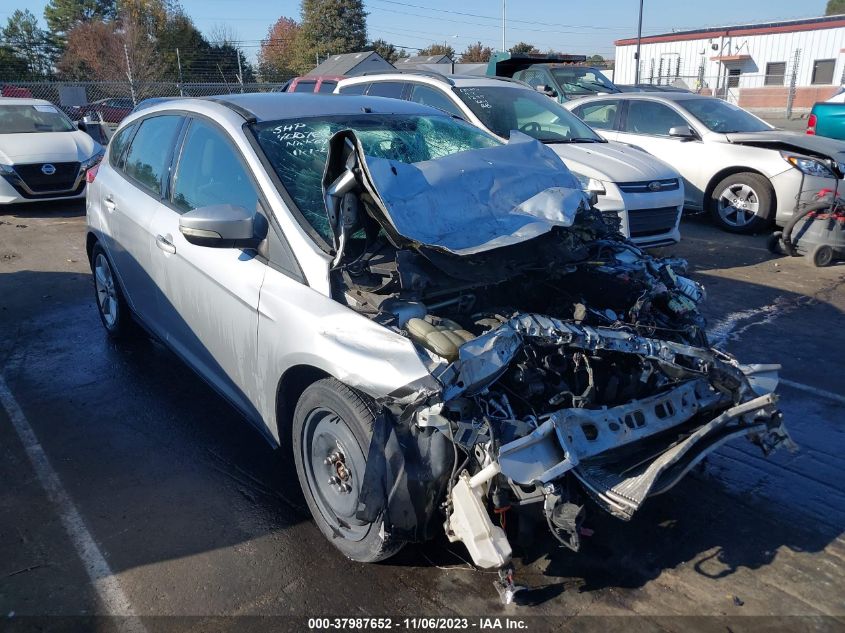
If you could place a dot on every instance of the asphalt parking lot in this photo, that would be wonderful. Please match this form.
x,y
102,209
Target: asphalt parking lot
x,y
192,514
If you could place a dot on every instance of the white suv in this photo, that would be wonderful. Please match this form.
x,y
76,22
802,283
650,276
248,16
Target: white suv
x,y
646,193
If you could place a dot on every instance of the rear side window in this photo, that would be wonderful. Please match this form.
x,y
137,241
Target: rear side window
x,y
148,156
327,86
600,115
211,172
434,98
391,89
354,89
305,86
118,144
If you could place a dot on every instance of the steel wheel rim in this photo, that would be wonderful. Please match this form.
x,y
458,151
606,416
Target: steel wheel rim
x,y
325,434
106,291
739,204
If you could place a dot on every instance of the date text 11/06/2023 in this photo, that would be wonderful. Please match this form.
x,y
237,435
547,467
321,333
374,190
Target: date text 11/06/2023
x,y
419,624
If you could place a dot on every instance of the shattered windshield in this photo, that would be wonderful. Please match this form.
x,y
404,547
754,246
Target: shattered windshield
x,y
297,149
505,108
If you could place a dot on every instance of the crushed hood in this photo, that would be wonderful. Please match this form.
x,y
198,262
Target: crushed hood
x,y
794,141
468,202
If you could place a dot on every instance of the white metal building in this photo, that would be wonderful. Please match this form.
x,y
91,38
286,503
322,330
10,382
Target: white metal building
x,y
755,65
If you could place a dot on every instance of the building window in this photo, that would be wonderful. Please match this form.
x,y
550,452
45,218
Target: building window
x,y
733,77
775,74
823,71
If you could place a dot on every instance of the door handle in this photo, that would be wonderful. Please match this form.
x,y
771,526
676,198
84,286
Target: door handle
x,y
165,244
108,202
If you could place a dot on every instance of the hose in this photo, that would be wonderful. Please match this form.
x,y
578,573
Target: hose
x,y
786,237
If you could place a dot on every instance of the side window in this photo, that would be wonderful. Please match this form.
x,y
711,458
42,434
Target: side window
x,y
148,156
118,144
327,86
650,117
598,114
434,98
210,172
305,86
392,89
354,89
534,78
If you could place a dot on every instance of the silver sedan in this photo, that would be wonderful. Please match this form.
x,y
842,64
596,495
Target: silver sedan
x,y
746,173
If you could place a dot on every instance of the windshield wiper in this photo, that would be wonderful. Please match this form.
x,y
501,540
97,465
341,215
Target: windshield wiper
x,y
585,139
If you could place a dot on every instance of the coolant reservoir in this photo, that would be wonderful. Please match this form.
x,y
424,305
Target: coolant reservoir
x,y
441,336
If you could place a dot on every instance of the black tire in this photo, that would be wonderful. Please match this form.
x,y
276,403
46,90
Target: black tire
x,y
115,314
331,419
774,244
753,218
820,256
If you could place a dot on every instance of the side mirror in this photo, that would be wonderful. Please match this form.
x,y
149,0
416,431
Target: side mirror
x,y
682,132
546,90
223,225
82,126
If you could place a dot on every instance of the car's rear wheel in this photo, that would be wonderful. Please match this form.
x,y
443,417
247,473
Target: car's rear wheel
x,y
111,305
332,428
743,203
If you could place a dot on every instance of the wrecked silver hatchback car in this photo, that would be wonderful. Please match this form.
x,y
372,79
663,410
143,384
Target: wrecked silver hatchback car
x,y
439,326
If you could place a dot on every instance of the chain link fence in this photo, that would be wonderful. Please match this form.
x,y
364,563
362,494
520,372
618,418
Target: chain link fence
x,y
110,101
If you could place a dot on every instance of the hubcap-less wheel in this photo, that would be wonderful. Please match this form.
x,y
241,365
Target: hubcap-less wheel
x,y
334,465
738,205
106,291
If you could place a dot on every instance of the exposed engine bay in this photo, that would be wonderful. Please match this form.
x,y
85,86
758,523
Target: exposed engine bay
x,y
568,365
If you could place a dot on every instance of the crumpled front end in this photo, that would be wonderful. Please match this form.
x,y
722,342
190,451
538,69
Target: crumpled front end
x,y
566,363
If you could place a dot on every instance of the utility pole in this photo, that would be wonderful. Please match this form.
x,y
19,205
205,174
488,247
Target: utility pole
x,y
639,37
129,74
179,66
504,23
240,71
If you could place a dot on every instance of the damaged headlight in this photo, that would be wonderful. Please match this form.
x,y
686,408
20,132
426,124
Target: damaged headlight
x,y
809,166
590,185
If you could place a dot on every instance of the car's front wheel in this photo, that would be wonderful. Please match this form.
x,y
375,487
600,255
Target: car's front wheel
x,y
332,428
743,203
111,305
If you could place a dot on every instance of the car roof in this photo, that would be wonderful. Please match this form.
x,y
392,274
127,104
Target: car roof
x,y
666,96
23,101
434,78
271,106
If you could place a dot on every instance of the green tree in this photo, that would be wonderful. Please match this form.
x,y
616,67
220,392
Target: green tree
x,y
438,49
180,33
63,15
595,59
330,27
835,7
12,65
29,43
522,48
387,50
476,54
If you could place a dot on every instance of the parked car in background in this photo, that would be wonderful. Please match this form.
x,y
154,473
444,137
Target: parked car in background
x,y
111,110
321,83
827,118
646,193
43,156
422,350
146,103
746,173
562,77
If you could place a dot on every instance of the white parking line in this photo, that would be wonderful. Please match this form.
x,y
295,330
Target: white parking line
x,y
105,582
814,390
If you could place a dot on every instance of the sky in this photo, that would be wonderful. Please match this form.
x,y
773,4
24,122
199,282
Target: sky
x,y
573,26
